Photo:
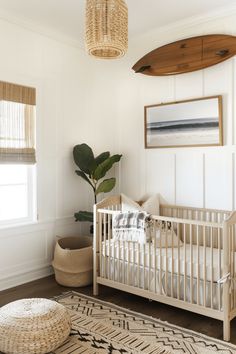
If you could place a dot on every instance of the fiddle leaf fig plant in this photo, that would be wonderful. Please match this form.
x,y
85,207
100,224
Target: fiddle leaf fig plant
x,y
93,170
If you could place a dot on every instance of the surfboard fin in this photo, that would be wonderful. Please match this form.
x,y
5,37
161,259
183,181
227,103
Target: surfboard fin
x,y
142,69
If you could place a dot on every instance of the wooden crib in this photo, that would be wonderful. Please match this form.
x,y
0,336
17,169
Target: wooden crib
x,y
196,274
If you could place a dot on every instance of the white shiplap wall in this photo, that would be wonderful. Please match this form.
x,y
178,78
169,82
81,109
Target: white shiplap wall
x,y
201,177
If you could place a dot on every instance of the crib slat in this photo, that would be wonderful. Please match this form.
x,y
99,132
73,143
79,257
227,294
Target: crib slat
x,y
204,267
109,248
198,266
166,252
231,263
160,269
105,244
149,265
219,268
178,277
234,265
128,262
184,262
119,261
172,258
123,245
191,263
144,264
211,240
134,264
138,265
155,257
100,245
114,259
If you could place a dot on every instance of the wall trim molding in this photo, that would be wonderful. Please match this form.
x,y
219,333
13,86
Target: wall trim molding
x,y
32,26
26,277
39,29
17,229
189,22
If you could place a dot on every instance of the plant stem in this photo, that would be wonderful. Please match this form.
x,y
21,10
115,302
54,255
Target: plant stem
x,y
94,190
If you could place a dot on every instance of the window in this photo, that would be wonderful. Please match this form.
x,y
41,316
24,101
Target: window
x,y
17,194
17,153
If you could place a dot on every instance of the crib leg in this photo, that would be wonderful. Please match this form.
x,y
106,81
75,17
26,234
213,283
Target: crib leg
x,y
95,274
95,289
95,283
226,330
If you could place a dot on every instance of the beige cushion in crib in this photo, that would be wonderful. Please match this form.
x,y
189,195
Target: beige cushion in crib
x,y
166,239
151,205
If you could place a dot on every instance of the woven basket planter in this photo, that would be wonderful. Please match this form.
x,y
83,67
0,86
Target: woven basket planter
x,y
73,261
33,326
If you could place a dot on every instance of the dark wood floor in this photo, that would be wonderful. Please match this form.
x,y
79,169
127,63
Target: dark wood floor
x,y
48,287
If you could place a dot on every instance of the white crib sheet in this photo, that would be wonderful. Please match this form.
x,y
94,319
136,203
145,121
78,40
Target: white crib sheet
x,y
183,261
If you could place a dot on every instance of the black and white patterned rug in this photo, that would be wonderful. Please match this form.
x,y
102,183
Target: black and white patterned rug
x,y
99,327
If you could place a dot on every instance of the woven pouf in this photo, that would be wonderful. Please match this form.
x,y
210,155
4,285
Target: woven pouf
x,y
33,326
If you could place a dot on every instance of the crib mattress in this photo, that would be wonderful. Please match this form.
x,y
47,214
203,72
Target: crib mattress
x,y
179,287
189,261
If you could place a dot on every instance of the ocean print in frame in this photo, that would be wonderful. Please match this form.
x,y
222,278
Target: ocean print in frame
x,y
196,122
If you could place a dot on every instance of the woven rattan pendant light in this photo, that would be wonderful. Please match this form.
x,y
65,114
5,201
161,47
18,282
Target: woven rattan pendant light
x,y
106,28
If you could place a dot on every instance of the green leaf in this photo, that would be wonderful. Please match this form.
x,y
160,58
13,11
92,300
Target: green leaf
x,y
84,216
105,166
102,157
84,158
106,186
83,175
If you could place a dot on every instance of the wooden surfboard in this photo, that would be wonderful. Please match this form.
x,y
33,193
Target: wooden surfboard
x,y
187,55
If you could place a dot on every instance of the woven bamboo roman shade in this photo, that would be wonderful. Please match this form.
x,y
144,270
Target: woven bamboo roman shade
x,y
17,124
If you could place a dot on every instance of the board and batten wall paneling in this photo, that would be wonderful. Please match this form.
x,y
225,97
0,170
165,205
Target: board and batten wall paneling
x,y
18,250
198,176
155,89
219,179
189,178
188,85
218,80
233,100
160,175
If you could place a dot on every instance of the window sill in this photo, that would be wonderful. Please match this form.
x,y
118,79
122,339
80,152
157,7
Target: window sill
x,y
14,225
34,225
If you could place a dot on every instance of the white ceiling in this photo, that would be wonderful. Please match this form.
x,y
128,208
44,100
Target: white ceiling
x,y
66,17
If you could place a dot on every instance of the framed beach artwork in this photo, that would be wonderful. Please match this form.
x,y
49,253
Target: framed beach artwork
x,y
196,122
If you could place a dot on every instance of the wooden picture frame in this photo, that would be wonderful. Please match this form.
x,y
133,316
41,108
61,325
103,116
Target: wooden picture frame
x,y
187,123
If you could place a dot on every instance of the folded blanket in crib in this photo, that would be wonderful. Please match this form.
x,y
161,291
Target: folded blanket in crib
x,y
132,226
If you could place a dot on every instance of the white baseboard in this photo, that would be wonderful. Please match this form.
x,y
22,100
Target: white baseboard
x,y
28,276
